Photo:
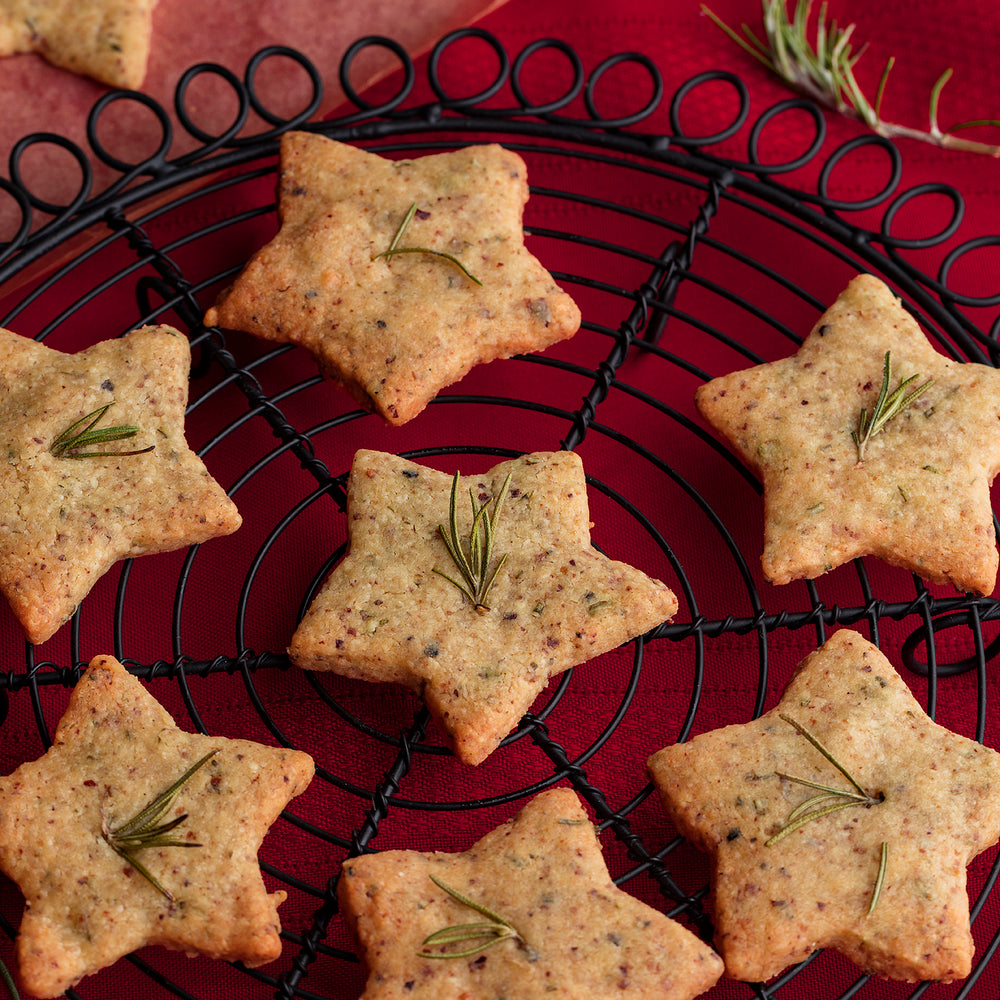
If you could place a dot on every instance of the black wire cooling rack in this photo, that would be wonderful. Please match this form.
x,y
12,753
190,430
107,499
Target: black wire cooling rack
x,y
689,260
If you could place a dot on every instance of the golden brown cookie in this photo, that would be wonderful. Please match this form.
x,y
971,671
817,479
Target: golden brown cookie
x,y
386,612
65,519
559,925
116,750
788,876
917,495
104,39
395,330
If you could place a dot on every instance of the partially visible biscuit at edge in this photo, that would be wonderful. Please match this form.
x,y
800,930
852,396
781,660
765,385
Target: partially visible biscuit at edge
x,y
779,896
114,750
107,40
542,872
65,521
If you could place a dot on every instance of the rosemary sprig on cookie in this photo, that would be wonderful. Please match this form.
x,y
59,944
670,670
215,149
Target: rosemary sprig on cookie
x,y
813,808
824,72
72,441
145,828
395,248
887,406
474,565
489,932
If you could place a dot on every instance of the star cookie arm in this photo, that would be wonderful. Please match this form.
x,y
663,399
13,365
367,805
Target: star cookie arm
x,y
107,40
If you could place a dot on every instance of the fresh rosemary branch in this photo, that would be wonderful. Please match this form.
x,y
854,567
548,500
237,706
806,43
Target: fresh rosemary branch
x,y
71,442
825,72
474,566
812,808
887,406
145,828
489,932
395,248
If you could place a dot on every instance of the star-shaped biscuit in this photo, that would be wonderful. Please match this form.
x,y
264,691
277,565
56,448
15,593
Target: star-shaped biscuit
x,y
115,750
386,612
920,495
781,890
575,933
394,330
104,39
65,521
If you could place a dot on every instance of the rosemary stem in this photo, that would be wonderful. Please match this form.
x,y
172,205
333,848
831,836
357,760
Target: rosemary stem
x,y
394,248
887,406
72,442
474,567
826,753
824,72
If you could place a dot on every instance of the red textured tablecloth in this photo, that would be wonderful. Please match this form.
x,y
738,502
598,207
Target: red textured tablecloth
x,y
219,619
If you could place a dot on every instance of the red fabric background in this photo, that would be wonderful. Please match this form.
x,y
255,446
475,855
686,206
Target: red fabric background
x,y
681,41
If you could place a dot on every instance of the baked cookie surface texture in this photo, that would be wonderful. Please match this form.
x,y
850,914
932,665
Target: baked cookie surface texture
x,y
107,40
114,751
561,928
796,868
395,328
392,611
67,516
916,495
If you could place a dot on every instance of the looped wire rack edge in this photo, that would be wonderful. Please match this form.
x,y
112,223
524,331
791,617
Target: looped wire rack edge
x,y
693,251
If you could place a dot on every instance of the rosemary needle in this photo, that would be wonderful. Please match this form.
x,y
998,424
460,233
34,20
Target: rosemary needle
x,y
395,248
71,442
879,879
812,808
8,980
145,828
